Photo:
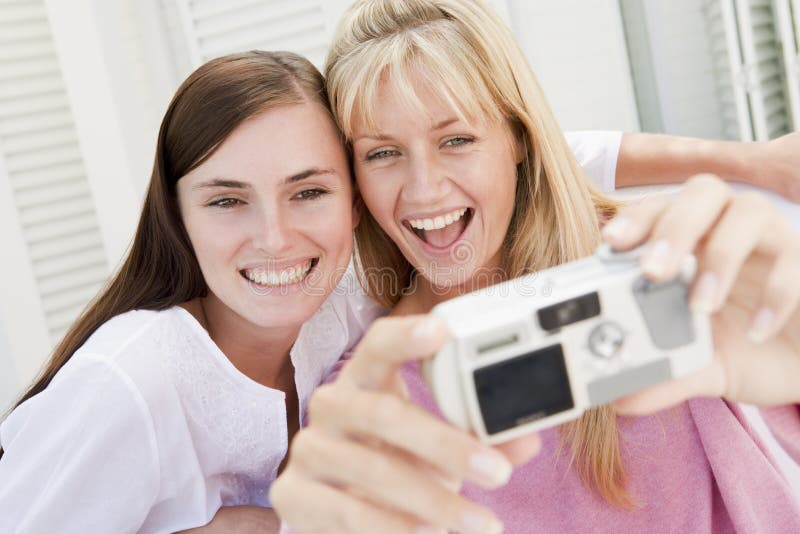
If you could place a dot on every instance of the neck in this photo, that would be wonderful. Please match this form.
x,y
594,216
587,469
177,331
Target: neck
x,y
261,354
424,295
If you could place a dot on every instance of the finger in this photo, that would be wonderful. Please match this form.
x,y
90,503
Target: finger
x,y
738,233
682,225
632,224
388,344
334,510
781,294
521,450
403,424
390,482
711,381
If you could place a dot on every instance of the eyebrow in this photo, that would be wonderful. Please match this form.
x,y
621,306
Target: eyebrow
x,y
438,126
236,184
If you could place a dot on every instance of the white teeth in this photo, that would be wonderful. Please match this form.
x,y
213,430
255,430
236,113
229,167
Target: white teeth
x,y
289,276
439,222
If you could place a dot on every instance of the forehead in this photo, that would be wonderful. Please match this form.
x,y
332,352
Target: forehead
x,y
277,143
414,96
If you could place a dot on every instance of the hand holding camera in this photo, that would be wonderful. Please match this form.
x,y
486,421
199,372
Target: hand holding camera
x,y
538,351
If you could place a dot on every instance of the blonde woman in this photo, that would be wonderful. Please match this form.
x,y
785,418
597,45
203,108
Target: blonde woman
x,y
467,180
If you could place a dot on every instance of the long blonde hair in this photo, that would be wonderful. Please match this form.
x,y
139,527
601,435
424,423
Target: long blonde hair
x,y
471,57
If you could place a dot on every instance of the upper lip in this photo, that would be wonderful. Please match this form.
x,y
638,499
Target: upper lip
x,y
276,265
432,214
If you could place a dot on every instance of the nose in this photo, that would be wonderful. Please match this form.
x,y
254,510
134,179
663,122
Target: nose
x,y
272,231
427,181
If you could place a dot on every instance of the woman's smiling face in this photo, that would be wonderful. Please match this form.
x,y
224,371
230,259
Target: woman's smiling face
x,y
270,216
441,188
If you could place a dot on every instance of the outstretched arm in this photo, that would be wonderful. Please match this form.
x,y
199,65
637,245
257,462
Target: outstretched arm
x,y
648,159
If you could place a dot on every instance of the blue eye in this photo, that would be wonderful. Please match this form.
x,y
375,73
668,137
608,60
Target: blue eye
x,y
224,203
458,141
311,194
381,154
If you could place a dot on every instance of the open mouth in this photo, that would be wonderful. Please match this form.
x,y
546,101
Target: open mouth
x,y
280,278
443,230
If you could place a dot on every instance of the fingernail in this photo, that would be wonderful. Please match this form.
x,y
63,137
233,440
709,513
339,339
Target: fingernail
x,y
762,324
618,229
480,523
705,293
426,329
655,261
491,467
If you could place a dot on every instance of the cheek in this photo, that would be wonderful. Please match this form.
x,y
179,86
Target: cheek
x,y
378,200
333,225
214,243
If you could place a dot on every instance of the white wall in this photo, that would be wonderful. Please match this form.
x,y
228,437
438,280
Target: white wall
x,y
9,385
676,81
577,49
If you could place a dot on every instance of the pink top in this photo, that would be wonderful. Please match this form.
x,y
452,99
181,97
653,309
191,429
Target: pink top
x,y
698,467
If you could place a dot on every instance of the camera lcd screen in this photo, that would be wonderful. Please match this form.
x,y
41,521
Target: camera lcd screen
x,y
523,389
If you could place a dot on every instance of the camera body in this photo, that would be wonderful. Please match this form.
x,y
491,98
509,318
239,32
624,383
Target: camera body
x,y
539,350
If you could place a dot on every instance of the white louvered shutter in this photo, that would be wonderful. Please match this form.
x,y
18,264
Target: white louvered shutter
x,y
729,69
764,68
213,28
45,175
749,42
787,17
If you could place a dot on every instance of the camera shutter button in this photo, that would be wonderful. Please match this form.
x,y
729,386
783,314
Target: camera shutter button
x,y
606,340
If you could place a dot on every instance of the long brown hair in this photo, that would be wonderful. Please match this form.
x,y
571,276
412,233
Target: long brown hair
x,y
161,270
471,57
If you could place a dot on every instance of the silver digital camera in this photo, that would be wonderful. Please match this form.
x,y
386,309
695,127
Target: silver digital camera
x,y
537,351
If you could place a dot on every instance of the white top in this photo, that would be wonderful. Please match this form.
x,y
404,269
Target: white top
x,y
150,428
597,153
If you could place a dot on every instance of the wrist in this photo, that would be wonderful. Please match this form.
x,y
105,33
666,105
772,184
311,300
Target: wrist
x,y
737,161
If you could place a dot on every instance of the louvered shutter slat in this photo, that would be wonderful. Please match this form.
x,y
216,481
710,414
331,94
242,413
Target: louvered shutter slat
x,y
12,70
41,140
48,212
63,191
26,50
214,28
44,231
257,14
55,266
47,176
65,245
12,125
69,300
18,12
24,31
29,161
31,105
67,280
39,85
